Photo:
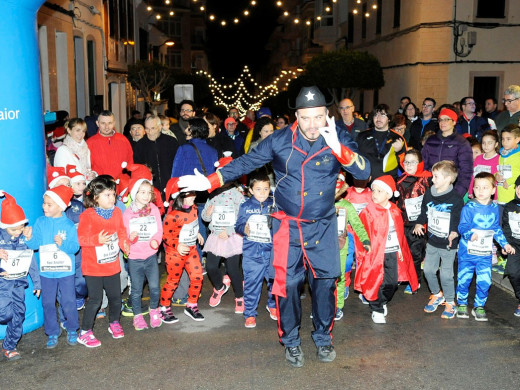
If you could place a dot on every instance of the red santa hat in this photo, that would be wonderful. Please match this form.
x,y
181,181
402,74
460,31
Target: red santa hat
x,y
54,175
172,190
222,162
61,195
74,175
387,183
139,174
59,134
12,215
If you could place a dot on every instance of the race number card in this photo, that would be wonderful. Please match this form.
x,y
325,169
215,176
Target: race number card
x,y
17,264
438,223
514,224
413,207
483,245
342,221
145,227
223,217
506,171
259,229
109,252
189,232
54,260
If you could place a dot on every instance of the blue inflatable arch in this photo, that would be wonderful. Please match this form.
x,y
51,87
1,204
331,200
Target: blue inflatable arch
x,y
22,146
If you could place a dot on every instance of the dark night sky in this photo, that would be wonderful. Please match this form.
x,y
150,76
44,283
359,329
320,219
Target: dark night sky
x,y
233,46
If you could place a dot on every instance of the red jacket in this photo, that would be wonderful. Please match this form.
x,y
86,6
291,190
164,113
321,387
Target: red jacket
x,y
107,154
89,227
370,271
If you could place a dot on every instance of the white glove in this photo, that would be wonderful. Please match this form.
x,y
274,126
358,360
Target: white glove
x,y
330,134
196,182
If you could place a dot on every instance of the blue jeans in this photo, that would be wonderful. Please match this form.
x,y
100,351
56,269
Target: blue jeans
x,y
50,288
138,270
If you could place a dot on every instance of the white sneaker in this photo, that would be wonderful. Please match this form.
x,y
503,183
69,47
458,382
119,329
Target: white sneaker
x,y
385,310
378,318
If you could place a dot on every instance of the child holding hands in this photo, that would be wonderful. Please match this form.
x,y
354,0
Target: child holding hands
x,y
143,223
54,235
101,233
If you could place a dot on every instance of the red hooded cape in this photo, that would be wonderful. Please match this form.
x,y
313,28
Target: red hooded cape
x,y
370,270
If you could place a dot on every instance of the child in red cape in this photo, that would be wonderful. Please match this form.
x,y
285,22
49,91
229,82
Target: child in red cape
x,y
389,261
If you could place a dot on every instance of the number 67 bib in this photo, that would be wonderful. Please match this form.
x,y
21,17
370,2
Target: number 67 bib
x,y
109,252
17,264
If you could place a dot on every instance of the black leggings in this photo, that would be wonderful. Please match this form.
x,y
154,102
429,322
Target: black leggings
x,y
232,268
95,286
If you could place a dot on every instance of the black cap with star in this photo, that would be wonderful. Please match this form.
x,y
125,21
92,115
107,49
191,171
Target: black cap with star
x,y
310,97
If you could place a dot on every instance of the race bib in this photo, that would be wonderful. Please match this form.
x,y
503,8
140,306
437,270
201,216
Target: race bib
x,y
483,245
506,171
342,221
438,223
359,206
54,260
17,264
109,252
514,224
259,229
145,227
189,232
481,168
223,216
392,243
413,207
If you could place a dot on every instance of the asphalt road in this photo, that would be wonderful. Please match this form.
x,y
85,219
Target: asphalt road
x,y
414,350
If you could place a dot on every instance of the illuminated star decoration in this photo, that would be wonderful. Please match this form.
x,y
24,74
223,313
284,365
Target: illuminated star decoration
x,y
309,96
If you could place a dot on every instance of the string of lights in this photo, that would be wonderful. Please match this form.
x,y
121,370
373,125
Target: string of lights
x,y
238,17
237,93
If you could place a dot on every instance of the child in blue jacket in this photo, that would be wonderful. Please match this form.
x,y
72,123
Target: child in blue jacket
x,y
15,262
55,236
253,224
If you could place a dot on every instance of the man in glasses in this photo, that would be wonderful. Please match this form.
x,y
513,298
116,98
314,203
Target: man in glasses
x,y
186,111
427,122
352,125
511,114
374,144
469,122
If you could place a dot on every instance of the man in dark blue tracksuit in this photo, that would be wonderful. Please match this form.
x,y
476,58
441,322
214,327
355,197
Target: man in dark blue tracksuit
x,y
306,158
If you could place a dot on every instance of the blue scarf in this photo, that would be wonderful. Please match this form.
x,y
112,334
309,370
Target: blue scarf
x,y
106,214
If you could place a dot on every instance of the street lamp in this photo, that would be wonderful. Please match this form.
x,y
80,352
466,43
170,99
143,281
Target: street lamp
x,y
154,50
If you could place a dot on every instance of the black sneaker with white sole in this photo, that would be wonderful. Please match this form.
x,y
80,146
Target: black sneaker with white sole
x,y
294,355
168,317
326,353
194,313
